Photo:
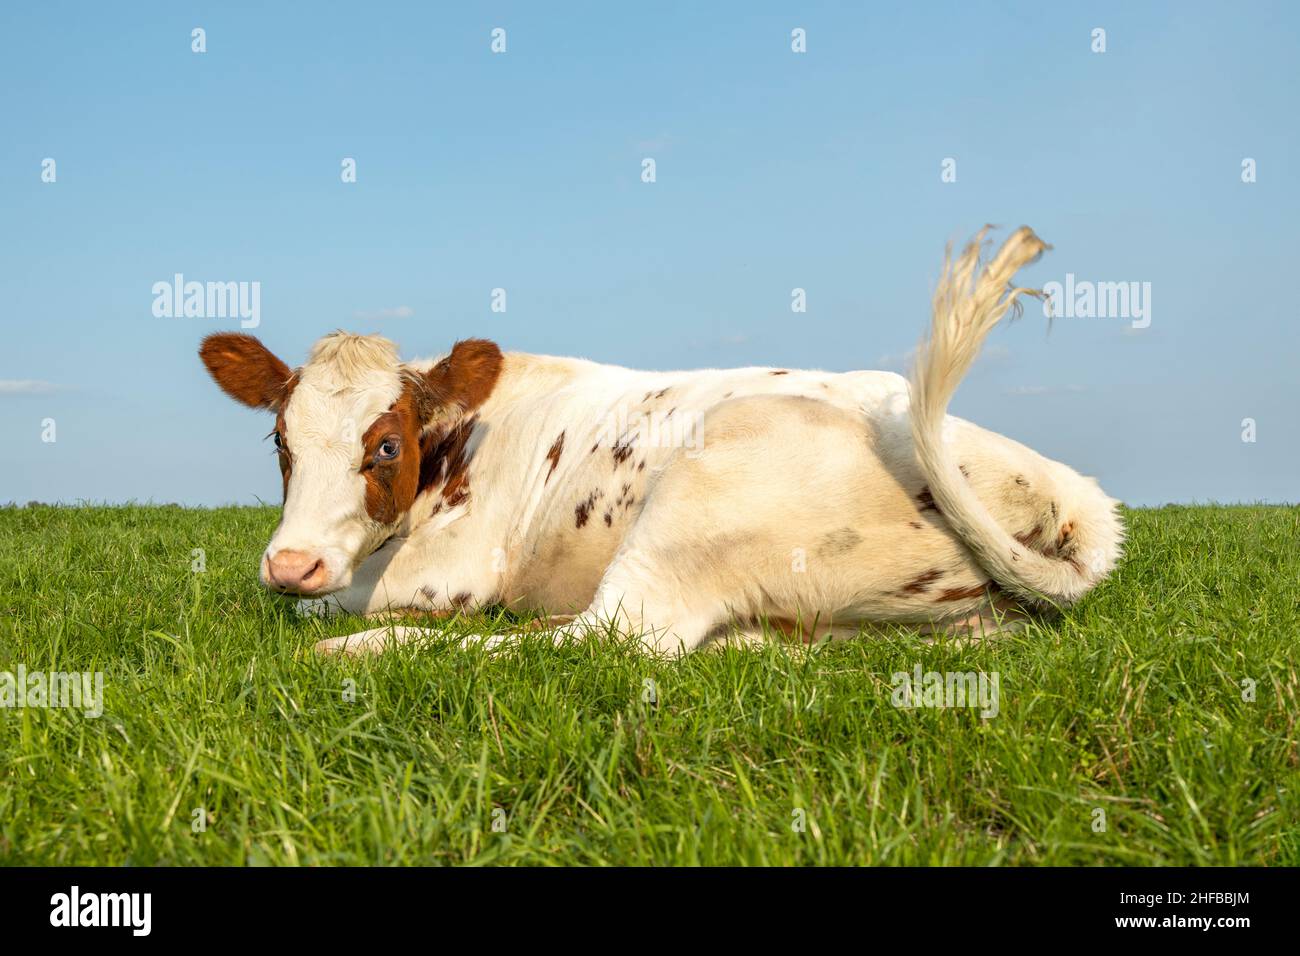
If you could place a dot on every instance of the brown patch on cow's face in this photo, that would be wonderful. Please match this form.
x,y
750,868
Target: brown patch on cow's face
x,y
390,462
440,403
246,370
281,436
445,459
926,501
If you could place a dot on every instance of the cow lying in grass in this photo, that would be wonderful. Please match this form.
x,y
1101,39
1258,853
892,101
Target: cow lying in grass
x,y
810,502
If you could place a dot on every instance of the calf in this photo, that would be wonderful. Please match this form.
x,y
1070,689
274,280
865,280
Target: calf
x,y
678,507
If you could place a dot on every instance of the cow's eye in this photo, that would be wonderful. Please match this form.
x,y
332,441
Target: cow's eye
x,y
389,449
279,441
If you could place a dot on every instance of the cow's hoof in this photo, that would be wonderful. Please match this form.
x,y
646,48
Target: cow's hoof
x,y
351,644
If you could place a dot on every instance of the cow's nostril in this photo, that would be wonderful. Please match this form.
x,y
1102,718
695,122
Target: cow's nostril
x,y
296,571
314,577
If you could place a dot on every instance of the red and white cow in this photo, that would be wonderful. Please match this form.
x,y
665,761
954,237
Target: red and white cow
x,y
674,506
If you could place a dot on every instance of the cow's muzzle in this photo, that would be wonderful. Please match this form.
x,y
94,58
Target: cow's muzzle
x,y
295,572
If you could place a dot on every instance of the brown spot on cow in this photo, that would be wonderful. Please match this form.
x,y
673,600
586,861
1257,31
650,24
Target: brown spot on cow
x,y
457,492
582,511
922,583
609,519
782,371
625,493
917,525
965,594
790,630
622,450
839,542
1030,538
553,455
926,500
462,599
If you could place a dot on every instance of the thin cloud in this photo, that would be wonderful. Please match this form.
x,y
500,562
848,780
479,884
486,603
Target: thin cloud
x,y
1045,390
656,144
26,386
399,312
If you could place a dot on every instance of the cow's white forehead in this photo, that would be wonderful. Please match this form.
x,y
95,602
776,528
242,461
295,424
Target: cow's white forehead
x,y
347,382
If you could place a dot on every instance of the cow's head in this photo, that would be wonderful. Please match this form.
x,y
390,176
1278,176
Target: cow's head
x,y
353,427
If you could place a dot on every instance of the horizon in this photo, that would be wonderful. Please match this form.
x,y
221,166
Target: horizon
x,y
503,194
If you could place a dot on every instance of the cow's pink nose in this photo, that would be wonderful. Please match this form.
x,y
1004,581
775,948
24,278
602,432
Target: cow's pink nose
x,y
296,571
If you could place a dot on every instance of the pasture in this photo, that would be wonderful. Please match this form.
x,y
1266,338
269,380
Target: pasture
x,y
1155,723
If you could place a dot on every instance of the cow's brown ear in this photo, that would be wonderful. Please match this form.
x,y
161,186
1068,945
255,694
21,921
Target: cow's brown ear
x,y
246,369
465,378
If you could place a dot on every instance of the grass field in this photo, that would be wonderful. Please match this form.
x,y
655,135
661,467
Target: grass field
x,y
1131,703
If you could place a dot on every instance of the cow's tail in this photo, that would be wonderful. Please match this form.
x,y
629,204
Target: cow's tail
x,y
968,302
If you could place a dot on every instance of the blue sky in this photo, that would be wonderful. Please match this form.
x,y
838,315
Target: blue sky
x,y
522,170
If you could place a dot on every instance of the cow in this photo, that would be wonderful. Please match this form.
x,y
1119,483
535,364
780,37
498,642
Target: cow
x,y
677,508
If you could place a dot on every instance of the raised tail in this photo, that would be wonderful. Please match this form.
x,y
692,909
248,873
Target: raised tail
x,y
968,303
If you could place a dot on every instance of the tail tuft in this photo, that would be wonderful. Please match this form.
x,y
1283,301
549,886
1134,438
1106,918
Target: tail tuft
x,y
968,302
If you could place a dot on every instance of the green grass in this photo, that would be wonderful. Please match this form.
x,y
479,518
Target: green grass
x,y
1131,702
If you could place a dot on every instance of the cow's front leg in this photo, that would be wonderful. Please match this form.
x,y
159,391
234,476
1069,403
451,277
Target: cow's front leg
x,y
374,640
407,577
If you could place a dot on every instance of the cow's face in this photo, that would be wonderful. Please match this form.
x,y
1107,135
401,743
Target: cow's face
x,y
349,430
